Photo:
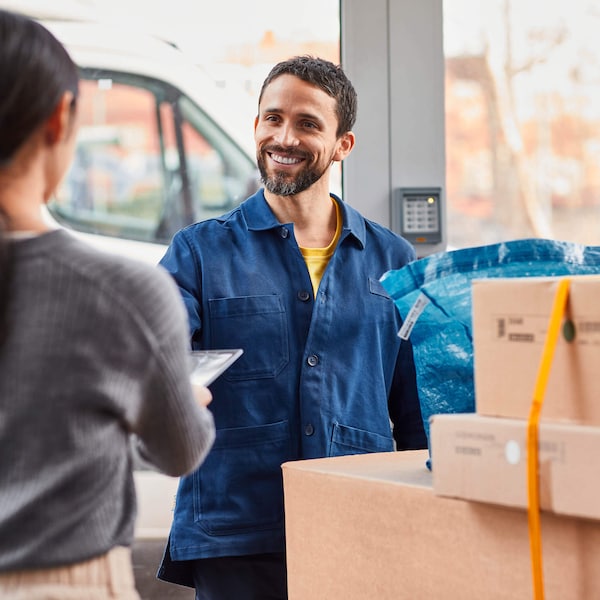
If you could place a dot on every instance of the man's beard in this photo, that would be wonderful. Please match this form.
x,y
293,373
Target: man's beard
x,y
281,184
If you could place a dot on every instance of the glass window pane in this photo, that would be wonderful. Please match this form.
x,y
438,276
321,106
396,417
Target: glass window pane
x,y
116,183
221,175
522,120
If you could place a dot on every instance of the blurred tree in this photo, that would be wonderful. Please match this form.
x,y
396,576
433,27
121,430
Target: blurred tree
x,y
517,207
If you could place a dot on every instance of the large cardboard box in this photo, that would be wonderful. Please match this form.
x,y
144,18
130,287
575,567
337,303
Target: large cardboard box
x,y
485,458
369,527
510,320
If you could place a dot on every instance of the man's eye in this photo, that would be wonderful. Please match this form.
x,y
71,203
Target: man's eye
x,y
309,125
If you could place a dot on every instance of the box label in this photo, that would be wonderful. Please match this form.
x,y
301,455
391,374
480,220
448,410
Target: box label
x,y
532,329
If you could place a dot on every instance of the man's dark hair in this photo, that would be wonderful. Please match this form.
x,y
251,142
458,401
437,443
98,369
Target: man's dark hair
x,y
326,76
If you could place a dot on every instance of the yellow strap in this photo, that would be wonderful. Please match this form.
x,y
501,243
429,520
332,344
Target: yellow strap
x,y
535,535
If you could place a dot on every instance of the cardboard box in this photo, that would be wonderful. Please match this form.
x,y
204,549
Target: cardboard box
x,y
510,320
485,458
369,527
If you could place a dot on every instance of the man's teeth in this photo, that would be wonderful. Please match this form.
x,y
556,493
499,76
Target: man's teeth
x,y
286,160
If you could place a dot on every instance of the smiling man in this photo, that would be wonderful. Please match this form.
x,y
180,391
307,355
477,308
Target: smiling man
x,y
292,277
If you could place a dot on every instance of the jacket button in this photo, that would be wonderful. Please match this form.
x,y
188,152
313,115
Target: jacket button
x,y
303,295
309,429
313,360
284,232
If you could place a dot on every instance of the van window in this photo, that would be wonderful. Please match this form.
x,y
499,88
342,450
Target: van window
x,y
148,161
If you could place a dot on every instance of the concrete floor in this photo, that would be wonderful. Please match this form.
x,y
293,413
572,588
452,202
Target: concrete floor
x,y
147,555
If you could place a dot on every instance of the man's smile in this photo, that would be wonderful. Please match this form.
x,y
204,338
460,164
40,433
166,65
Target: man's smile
x,y
285,160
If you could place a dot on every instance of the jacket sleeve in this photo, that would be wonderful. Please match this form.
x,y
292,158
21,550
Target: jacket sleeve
x,y
181,262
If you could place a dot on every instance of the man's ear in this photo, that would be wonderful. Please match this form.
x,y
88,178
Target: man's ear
x,y
345,145
58,123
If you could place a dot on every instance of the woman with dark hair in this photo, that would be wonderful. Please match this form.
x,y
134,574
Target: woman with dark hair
x,y
93,351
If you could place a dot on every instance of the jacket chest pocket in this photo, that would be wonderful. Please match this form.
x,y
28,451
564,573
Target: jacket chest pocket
x,y
257,324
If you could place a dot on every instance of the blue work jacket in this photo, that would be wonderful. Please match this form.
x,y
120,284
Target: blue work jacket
x,y
320,376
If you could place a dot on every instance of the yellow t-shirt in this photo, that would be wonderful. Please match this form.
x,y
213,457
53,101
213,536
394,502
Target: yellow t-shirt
x,y
317,258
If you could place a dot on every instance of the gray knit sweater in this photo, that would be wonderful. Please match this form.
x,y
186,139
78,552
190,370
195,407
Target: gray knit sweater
x,y
96,350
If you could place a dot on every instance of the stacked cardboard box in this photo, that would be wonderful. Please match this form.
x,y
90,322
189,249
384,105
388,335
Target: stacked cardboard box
x,y
484,456
370,527
510,320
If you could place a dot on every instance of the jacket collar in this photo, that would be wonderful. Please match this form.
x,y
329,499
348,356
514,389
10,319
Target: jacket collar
x,y
259,217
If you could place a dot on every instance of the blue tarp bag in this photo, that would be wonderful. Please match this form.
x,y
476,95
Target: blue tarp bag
x,y
433,296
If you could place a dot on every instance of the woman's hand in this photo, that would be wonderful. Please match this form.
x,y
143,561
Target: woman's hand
x,y
202,394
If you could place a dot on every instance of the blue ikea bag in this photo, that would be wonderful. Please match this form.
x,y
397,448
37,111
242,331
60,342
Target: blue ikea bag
x,y
433,296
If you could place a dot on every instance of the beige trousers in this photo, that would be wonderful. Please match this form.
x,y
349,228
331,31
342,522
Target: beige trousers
x,y
107,577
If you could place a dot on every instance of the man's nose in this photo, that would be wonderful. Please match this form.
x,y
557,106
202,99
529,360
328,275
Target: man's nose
x,y
286,136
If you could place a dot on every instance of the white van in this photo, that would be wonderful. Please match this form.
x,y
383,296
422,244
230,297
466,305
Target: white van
x,y
160,144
